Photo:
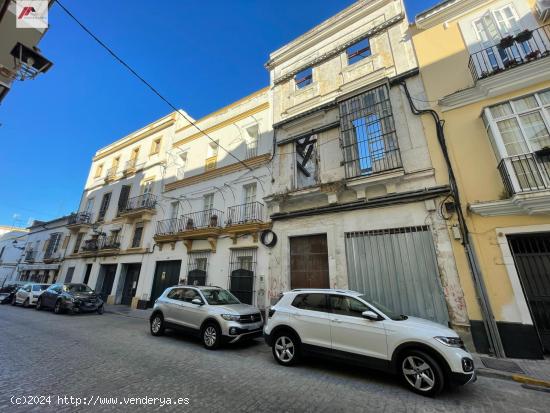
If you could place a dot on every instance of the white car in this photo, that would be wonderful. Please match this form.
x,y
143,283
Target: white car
x,y
346,325
28,294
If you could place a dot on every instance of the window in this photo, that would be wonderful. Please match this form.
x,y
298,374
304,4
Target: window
x,y
252,141
183,165
211,156
114,166
250,207
250,193
89,205
2,251
312,302
77,242
369,140
307,162
87,273
135,153
208,201
98,171
358,51
123,198
52,244
138,233
174,209
190,294
349,306
69,275
176,294
155,146
197,267
104,206
304,78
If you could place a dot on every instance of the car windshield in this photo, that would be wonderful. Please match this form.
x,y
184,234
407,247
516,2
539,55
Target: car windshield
x,y
39,287
390,313
219,297
77,288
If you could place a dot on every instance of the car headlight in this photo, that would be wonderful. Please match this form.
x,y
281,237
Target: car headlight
x,y
450,341
230,317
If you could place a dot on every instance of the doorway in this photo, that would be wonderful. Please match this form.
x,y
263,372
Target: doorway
x,y
309,262
105,280
130,283
166,275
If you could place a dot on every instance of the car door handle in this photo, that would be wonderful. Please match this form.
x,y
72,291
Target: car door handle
x,y
336,320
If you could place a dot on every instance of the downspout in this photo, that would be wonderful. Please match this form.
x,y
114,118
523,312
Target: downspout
x,y
489,322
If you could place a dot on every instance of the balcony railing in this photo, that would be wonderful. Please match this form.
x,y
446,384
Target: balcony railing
x,y
512,51
80,218
525,173
210,218
101,243
30,256
145,201
245,213
111,173
130,165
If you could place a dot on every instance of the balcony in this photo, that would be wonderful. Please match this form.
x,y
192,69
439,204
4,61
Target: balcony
x,y
130,167
512,51
141,207
102,245
247,218
111,174
30,256
79,220
526,173
205,225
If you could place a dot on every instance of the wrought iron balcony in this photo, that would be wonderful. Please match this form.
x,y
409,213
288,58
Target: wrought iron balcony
x,y
210,218
130,165
90,245
526,173
245,213
102,242
145,201
80,218
512,51
30,256
168,226
111,173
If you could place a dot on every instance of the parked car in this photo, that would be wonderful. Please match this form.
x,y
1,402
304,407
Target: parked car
x,y
347,326
70,297
7,292
213,313
28,294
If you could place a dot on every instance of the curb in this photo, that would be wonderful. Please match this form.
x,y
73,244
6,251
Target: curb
x,y
532,381
125,315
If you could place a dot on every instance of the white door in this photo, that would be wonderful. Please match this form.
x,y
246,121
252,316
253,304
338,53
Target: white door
x,y
249,202
311,319
353,333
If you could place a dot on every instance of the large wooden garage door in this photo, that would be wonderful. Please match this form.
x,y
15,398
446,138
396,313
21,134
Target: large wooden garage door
x,y
398,268
532,258
309,262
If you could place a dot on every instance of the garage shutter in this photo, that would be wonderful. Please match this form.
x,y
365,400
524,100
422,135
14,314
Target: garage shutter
x,y
397,268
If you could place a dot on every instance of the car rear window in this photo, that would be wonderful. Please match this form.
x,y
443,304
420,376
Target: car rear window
x,y
312,302
39,287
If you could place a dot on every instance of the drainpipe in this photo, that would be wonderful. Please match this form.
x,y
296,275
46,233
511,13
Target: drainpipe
x,y
489,322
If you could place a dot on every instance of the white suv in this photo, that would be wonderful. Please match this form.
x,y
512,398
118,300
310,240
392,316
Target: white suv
x,y
347,325
28,294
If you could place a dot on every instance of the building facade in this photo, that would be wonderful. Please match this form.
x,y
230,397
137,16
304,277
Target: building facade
x,y
44,251
358,194
112,232
12,244
486,71
212,204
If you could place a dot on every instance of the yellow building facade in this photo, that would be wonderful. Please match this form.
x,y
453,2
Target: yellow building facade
x,y
486,71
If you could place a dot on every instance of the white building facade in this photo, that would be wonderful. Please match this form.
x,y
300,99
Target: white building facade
x,y
357,201
12,245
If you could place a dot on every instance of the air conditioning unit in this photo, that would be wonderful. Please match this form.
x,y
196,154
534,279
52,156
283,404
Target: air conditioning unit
x,y
543,9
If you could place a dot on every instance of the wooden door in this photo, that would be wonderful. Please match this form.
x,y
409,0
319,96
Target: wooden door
x,y
309,262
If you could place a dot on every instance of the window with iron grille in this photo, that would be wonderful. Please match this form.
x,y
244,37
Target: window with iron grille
x,y
104,206
53,244
138,233
369,141
77,242
197,267
242,269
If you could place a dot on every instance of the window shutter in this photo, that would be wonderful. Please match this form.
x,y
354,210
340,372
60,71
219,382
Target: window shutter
x,y
66,241
46,243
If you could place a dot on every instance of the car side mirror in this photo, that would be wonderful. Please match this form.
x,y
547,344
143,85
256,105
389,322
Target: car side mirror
x,y
196,301
370,315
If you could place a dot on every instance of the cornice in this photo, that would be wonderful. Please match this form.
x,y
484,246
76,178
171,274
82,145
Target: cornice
x,y
533,203
445,12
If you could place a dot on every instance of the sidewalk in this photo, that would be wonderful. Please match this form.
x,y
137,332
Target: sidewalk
x,y
532,373
126,311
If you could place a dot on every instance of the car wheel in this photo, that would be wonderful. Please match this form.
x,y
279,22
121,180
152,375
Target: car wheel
x,y
14,301
211,336
38,305
57,308
157,325
100,309
26,303
286,348
421,373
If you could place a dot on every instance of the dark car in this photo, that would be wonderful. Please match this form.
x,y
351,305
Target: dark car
x,y
71,297
8,292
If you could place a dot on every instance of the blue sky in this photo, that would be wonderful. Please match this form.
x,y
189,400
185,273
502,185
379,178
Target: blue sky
x,y
200,55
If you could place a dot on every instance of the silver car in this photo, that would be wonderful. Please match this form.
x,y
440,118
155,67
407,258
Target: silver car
x,y
213,313
28,294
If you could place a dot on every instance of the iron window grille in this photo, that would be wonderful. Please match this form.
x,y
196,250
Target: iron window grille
x,y
368,137
197,267
242,271
53,245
